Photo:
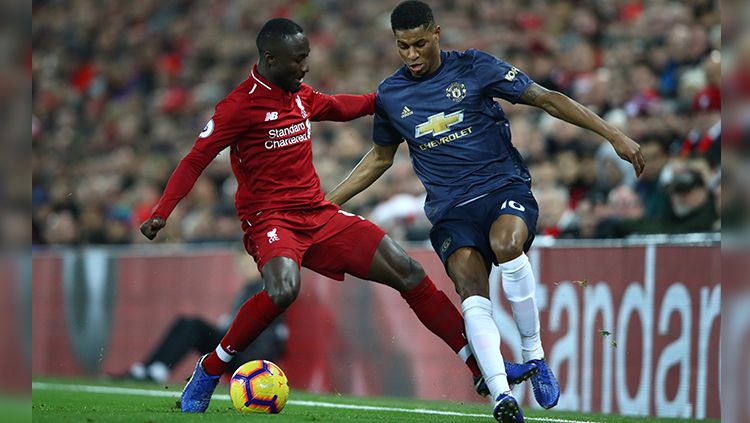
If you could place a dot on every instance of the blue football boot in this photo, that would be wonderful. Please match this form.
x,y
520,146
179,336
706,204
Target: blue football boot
x,y
197,393
546,388
507,410
519,372
516,372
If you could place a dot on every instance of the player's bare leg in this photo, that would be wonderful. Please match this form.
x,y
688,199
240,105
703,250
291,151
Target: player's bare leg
x,y
507,238
391,266
467,269
282,281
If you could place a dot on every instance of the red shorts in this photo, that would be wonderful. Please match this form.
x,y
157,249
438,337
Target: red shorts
x,y
325,239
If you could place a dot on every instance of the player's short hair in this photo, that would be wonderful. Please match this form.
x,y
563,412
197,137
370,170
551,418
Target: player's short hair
x,y
411,14
275,30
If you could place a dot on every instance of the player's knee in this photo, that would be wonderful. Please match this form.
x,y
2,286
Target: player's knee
x,y
507,246
285,297
414,275
284,292
407,272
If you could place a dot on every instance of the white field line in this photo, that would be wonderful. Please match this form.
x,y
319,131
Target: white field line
x,y
42,386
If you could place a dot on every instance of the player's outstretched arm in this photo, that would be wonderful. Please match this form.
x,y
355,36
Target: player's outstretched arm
x,y
367,171
228,122
563,107
341,107
179,185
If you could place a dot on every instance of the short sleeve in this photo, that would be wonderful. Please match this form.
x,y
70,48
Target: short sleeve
x,y
383,132
498,78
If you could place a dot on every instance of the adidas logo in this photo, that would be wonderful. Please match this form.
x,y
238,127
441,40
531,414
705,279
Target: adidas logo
x,y
406,112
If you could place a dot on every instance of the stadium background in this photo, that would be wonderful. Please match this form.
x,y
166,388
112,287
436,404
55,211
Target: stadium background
x,y
116,105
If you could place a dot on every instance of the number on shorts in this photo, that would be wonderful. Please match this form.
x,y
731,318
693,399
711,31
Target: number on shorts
x,y
513,205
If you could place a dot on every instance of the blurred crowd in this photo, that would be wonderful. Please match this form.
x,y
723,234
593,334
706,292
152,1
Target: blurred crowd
x,y
121,90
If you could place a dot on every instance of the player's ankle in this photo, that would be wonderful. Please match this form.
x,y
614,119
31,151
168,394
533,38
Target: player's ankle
x,y
532,354
212,364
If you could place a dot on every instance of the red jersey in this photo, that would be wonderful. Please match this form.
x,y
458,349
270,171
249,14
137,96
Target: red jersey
x,y
268,130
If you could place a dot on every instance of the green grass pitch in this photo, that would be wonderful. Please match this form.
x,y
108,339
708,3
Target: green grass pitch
x,y
56,400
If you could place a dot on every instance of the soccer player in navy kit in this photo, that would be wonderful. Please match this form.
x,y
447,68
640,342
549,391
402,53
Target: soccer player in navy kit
x,y
287,223
478,187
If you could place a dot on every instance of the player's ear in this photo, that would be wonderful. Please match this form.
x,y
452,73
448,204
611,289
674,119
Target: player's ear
x,y
437,33
268,57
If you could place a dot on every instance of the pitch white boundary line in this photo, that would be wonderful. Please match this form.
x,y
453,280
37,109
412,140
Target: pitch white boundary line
x,y
43,386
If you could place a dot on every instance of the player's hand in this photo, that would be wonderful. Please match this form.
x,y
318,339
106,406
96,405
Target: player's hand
x,y
629,150
152,226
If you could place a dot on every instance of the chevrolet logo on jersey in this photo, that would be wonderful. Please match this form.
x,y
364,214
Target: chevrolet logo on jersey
x,y
438,124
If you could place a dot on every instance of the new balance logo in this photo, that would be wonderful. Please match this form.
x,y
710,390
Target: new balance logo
x,y
406,112
272,236
272,116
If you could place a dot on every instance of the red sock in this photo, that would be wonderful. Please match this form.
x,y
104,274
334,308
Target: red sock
x,y
440,316
252,318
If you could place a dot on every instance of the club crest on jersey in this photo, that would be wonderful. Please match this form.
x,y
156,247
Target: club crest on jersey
x,y
301,108
272,236
456,91
406,112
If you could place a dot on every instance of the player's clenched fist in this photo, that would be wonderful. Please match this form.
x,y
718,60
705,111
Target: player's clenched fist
x,y
629,150
152,226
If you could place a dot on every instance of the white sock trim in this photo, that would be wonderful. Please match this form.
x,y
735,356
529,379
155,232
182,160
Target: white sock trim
x,y
223,355
465,353
476,301
515,264
536,353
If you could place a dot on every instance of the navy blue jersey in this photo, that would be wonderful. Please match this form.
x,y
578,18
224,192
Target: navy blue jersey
x,y
458,136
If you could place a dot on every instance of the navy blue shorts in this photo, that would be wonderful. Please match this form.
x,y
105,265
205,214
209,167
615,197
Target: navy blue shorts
x,y
468,225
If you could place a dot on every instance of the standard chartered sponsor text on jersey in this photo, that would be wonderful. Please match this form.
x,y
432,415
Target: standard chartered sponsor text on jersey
x,y
276,133
289,130
271,144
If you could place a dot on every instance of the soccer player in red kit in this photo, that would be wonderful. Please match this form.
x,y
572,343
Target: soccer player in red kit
x,y
287,222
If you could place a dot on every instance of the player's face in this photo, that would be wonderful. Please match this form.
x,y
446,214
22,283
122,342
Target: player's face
x,y
288,65
419,48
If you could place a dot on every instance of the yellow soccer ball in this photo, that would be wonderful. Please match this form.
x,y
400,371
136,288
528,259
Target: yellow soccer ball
x,y
259,386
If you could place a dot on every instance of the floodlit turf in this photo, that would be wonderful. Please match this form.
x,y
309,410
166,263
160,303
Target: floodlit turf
x,y
57,400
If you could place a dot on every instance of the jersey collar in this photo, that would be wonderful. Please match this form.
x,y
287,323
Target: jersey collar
x,y
264,85
408,75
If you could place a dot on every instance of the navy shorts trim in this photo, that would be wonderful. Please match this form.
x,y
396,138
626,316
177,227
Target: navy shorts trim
x,y
469,225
